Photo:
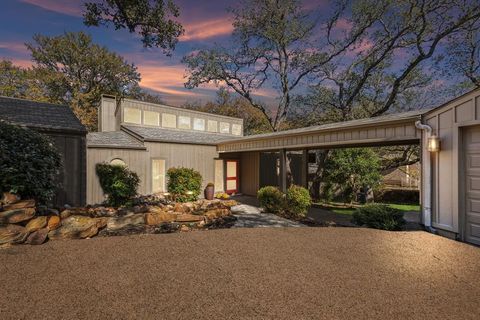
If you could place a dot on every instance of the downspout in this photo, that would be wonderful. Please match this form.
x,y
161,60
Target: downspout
x,y
427,189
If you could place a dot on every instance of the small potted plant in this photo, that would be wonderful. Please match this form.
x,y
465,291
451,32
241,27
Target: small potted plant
x,y
209,191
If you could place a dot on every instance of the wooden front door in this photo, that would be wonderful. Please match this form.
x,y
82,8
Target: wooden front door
x,y
232,176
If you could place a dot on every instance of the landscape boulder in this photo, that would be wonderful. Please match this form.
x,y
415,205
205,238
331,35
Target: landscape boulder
x,y
38,237
75,227
156,218
53,222
12,234
36,223
133,223
186,217
16,215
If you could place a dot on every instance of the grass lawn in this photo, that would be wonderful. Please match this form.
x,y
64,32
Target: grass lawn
x,y
345,209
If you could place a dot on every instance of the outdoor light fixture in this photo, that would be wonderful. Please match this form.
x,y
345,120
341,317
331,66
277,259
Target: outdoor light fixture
x,y
433,144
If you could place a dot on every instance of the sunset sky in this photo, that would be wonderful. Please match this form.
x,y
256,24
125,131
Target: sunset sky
x,y
205,23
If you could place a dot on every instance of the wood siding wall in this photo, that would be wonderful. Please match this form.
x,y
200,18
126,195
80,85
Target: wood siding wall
x,y
198,157
385,134
249,173
72,179
447,165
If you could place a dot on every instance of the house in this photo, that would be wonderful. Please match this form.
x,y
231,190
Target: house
x,y
67,133
151,138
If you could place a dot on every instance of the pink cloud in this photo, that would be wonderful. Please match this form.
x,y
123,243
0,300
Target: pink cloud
x,y
68,7
207,29
344,25
17,47
24,63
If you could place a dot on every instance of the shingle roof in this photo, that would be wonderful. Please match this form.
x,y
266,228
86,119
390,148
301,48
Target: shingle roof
x,y
176,136
39,115
113,139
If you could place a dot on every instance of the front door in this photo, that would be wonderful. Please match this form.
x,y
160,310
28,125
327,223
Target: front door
x,y
471,140
232,176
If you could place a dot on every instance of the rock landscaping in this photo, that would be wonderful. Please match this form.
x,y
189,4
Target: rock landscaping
x,y
23,221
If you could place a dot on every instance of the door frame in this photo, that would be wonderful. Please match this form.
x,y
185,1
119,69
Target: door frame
x,y
237,178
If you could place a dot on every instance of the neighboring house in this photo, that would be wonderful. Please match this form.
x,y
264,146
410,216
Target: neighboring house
x,y
68,135
404,177
151,138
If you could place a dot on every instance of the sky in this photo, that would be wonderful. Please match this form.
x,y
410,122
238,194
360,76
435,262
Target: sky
x,y
206,23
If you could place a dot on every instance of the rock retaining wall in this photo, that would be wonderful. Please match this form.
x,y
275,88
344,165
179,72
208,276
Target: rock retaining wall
x,y
22,221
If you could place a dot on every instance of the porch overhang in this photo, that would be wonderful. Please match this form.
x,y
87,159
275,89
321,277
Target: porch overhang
x,y
393,129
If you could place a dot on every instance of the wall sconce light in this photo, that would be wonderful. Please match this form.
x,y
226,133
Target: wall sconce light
x,y
433,144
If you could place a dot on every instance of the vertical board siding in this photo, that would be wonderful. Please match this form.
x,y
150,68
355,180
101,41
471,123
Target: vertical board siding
x,y
198,157
447,122
249,173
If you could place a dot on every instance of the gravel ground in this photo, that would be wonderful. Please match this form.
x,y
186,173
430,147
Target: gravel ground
x,y
258,273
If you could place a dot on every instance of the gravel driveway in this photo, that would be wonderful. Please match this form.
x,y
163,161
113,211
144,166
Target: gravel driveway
x,y
255,273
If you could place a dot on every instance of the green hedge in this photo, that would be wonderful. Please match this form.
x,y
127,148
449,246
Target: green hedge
x,y
379,216
298,201
184,184
294,204
29,163
271,199
118,183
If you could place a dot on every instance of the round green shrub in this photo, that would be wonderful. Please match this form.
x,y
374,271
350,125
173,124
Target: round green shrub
x,y
29,163
379,216
184,184
298,201
118,183
271,198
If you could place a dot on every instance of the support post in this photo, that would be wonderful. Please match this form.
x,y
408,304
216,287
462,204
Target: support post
x,y
283,170
304,178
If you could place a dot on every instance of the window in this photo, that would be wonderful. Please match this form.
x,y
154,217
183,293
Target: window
x,y
199,124
184,122
151,118
132,115
212,126
224,127
169,120
118,162
219,175
236,129
158,175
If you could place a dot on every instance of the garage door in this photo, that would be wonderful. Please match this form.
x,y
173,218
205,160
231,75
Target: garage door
x,y
472,184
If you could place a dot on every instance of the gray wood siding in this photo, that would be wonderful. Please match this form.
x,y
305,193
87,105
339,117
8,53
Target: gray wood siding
x,y
72,177
447,169
386,134
198,157
136,160
249,173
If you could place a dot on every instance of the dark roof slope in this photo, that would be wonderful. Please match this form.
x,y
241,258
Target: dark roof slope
x,y
176,136
113,139
39,115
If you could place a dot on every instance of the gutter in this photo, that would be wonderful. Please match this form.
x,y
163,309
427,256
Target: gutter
x,y
427,173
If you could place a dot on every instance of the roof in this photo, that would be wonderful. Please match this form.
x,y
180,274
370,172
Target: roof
x,y
175,135
40,115
393,118
113,139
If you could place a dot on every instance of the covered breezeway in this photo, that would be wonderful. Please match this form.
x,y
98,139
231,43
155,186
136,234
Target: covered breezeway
x,y
450,172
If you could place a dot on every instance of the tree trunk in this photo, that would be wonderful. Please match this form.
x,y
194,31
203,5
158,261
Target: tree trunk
x,y
320,158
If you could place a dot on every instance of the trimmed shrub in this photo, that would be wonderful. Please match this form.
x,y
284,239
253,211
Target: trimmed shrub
x,y
118,183
29,163
379,216
184,184
298,201
272,199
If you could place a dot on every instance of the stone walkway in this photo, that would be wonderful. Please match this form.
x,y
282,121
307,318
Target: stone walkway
x,y
251,217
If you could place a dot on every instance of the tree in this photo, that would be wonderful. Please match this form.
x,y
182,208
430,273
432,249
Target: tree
x,y
18,82
153,20
351,171
228,105
77,72
464,56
